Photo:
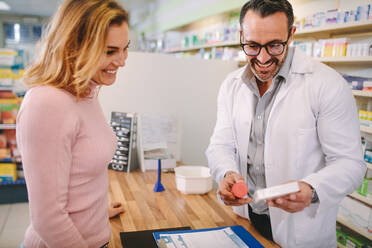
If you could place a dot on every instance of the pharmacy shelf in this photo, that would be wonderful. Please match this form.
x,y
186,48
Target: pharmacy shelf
x,y
364,60
327,30
206,46
361,198
349,225
369,165
335,29
362,93
7,126
366,129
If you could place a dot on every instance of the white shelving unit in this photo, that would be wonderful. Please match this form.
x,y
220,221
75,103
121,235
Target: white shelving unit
x,y
330,31
319,32
335,29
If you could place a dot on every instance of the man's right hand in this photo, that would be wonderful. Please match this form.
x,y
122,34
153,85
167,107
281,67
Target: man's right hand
x,y
224,189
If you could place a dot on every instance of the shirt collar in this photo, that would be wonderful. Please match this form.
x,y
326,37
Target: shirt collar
x,y
284,70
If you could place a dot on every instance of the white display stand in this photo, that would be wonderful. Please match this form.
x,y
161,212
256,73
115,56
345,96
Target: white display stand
x,y
157,133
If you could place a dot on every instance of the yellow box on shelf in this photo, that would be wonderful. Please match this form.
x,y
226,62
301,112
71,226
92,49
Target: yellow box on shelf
x,y
8,52
11,73
8,172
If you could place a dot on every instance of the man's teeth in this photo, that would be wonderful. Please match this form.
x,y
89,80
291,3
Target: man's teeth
x,y
264,65
112,72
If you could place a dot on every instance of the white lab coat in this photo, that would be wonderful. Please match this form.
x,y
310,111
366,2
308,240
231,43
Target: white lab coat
x,y
312,135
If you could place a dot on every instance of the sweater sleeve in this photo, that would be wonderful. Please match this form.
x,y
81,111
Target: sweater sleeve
x,y
47,126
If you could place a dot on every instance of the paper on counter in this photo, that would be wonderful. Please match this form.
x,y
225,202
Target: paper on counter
x,y
220,238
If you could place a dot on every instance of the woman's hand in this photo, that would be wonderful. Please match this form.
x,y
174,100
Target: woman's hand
x,y
115,209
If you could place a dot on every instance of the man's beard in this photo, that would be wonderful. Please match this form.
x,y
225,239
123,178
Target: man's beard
x,y
278,64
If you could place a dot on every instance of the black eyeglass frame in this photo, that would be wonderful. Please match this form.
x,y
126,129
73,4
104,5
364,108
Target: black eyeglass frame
x,y
284,43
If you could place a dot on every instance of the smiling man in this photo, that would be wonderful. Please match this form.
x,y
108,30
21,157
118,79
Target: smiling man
x,y
285,117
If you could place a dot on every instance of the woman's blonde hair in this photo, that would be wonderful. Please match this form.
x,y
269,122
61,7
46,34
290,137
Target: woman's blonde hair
x,y
73,44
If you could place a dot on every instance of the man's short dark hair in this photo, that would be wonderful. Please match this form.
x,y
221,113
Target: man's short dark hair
x,y
268,7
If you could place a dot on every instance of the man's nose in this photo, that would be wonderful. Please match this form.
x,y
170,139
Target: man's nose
x,y
263,56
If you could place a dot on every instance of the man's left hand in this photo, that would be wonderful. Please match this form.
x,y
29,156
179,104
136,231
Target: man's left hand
x,y
295,202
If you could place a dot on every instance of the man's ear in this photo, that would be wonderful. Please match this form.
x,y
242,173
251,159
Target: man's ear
x,y
291,36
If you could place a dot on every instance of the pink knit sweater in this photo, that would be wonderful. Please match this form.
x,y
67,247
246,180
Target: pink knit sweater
x,y
65,147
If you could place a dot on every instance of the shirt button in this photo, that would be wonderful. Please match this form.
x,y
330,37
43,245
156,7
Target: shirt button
x,y
259,117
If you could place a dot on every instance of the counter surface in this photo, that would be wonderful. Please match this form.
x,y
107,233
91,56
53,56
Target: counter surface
x,y
146,209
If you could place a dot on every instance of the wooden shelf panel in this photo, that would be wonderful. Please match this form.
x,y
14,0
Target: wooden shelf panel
x,y
334,29
6,88
369,165
193,48
366,129
7,126
362,232
361,198
362,93
365,60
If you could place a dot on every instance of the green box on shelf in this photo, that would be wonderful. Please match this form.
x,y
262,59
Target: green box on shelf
x,y
341,237
356,242
365,189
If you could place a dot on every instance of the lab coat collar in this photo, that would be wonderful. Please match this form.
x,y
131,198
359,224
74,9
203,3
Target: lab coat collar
x,y
301,63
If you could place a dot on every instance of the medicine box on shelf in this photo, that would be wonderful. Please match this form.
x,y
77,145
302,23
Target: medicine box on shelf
x,y
8,172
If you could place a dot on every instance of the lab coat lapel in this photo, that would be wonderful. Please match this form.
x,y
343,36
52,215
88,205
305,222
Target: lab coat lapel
x,y
301,64
244,113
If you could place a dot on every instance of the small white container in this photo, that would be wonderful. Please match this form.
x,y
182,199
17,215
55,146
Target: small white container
x,y
193,179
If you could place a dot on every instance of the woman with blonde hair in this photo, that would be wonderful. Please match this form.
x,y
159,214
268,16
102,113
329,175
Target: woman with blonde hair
x,y
65,141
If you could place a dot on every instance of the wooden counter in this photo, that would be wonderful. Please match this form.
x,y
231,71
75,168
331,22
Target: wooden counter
x,y
146,209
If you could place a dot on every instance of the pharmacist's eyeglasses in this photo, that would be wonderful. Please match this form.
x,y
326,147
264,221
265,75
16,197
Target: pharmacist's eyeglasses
x,y
274,48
